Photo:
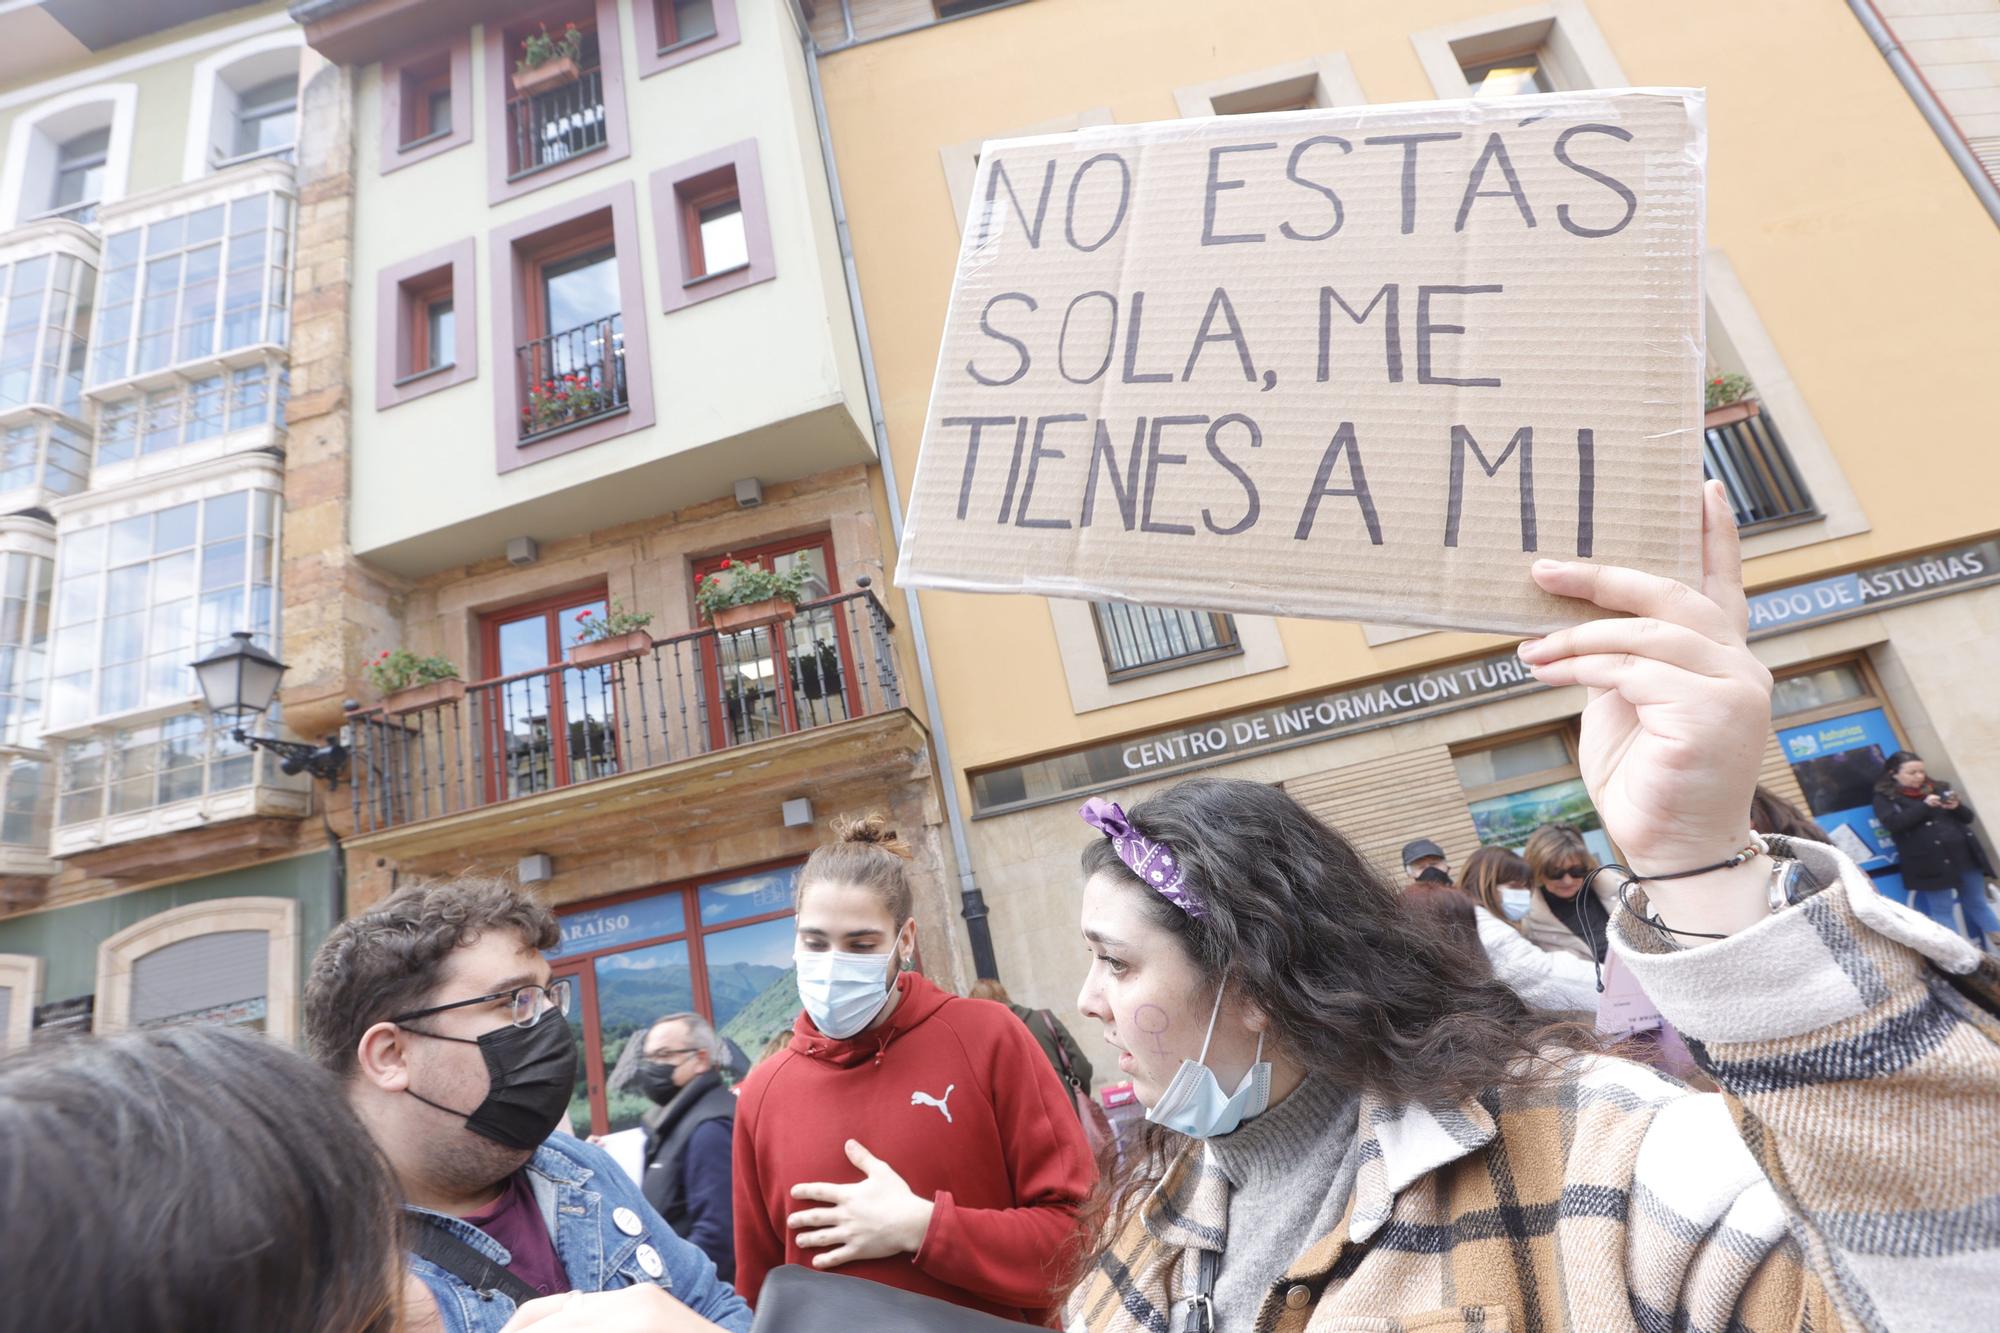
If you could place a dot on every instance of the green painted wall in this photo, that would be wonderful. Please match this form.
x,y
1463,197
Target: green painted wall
x,y
66,938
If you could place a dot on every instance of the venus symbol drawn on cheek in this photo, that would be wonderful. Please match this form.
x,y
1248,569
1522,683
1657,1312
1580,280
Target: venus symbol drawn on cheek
x,y
1152,1020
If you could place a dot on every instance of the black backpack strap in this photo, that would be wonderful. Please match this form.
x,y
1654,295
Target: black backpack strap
x,y
427,1240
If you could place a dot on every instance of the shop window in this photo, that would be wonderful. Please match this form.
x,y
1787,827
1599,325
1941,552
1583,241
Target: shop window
x,y
673,32
1518,785
785,677
194,286
554,122
45,315
721,948
228,961
426,104
20,990
1322,81
1138,640
1836,731
543,725
573,366
140,598
427,329
715,236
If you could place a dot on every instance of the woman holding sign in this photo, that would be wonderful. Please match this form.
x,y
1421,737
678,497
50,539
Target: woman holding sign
x,y
1349,1128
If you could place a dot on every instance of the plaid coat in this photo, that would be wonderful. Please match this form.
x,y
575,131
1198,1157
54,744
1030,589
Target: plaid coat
x,y
1848,1178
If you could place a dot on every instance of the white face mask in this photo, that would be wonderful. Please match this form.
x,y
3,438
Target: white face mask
x,y
1514,902
842,992
1194,1104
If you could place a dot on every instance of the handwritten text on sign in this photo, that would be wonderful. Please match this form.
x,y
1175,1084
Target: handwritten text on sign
x,y
1353,362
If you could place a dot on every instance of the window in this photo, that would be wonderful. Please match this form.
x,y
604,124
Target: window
x,y
780,678
719,237
673,32
141,768
1510,76
572,365
231,961
26,809
193,286
426,104
1836,731
1137,640
79,182
139,598
721,948
544,725
550,123
43,331
20,989
26,582
206,408
43,455
266,121
1322,81
426,329
1517,786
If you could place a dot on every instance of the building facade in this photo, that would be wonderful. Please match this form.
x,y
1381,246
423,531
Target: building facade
x,y
1872,547
577,338
152,868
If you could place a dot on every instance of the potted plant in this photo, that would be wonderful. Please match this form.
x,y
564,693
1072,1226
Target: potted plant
x,y
548,61
407,682
561,399
1729,398
750,596
614,637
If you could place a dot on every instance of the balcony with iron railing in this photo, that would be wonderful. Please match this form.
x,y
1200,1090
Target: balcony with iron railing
x,y
547,128
1741,448
831,666
571,377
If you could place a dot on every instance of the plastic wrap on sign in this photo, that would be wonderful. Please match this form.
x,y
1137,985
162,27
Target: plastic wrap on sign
x,y
1361,363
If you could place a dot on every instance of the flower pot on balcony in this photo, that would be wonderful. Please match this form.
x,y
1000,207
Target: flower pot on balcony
x,y
1730,413
414,697
549,74
754,615
617,648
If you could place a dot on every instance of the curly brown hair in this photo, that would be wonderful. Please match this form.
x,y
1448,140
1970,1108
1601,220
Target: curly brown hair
x,y
389,959
1358,989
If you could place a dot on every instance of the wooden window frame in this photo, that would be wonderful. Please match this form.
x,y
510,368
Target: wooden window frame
x,y
576,965
402,294
516,249
502,41
550,607
699,182
656,32
595,236
406,84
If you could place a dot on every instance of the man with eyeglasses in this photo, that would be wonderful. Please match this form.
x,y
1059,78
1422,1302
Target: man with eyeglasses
x,y
438,1012
688,1133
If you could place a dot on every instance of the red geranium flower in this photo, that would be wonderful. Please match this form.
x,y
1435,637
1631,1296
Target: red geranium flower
x,y
726,562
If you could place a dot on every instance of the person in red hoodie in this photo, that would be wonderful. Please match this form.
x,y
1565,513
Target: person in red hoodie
x,y
905,1135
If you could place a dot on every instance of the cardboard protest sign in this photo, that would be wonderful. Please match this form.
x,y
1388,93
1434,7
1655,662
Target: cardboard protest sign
x,y
1365,362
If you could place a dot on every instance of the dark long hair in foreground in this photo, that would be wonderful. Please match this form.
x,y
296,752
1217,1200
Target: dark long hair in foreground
x,y
1360,990
185,1179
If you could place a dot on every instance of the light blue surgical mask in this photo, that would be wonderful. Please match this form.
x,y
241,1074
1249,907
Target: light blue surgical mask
x,y
1514,902
842,992
1194,1104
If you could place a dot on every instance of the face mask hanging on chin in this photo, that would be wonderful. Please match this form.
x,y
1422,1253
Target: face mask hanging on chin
x,y
843,992
1194,1103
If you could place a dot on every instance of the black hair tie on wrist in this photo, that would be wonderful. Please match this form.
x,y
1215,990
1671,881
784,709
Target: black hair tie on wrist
x,y
1623,891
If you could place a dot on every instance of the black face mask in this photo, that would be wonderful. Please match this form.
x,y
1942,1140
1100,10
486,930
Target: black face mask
x,y
656,1080
530,1074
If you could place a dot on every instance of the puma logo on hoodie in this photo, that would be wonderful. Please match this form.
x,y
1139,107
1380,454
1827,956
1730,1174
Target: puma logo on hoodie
x,y
925,1099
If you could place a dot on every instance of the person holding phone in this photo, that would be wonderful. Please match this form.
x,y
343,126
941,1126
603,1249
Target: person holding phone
x,y
1943,865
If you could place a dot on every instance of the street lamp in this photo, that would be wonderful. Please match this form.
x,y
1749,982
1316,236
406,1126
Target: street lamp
x,y
239,680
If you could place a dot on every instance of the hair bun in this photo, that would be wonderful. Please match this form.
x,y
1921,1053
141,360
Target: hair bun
x,y
874,830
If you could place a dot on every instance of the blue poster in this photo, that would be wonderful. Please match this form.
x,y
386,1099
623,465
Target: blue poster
x,y
1837,762
625,923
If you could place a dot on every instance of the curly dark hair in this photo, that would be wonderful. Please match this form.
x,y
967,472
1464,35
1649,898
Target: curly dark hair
x,y
1359,989
388,960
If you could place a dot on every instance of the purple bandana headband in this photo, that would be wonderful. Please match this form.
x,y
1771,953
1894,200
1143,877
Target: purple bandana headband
x,y
1151,861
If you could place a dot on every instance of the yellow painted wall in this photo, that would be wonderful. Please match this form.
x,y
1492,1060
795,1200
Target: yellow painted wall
x,y
767,352
1866,256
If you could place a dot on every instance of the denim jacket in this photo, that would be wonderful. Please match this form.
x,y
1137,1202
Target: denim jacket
x,y
580,1189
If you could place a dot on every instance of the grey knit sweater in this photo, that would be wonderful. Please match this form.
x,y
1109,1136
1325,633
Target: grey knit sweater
x,y
1290,1171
